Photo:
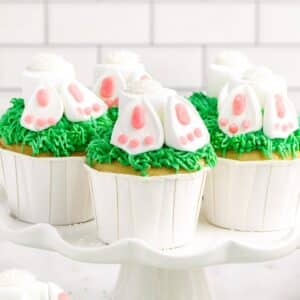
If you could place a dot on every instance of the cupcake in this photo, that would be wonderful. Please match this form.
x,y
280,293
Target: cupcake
x,y
255,132
147,169
114,73
43,138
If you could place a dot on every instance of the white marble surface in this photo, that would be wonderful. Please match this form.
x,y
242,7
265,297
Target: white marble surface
x,y
276,280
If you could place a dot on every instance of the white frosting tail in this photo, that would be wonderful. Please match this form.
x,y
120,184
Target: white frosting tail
x,y
138,128
239,110
108,87
80,103
280,117
184,129
43,110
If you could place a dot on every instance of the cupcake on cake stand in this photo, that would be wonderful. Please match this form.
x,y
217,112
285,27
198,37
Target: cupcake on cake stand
x,y
149,273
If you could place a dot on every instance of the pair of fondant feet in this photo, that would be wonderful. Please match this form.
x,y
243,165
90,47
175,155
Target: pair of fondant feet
x,y
48,103
139,128
240,111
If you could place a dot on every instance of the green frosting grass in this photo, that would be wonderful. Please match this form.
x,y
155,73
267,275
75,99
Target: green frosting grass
x,y
207,108
101,151
63,139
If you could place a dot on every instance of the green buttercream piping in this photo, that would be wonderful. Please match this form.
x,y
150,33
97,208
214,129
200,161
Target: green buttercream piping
x,y
244,143
101,151
63,139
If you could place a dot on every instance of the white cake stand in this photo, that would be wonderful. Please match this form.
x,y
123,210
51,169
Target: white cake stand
x,y
147,273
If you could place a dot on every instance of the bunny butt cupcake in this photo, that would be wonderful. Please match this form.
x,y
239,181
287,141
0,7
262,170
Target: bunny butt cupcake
x,y
255,132
43,139
151,165
113,74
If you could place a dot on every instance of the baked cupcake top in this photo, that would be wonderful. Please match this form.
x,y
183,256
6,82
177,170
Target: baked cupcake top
x,y
251,113
113,74
153,128
57,114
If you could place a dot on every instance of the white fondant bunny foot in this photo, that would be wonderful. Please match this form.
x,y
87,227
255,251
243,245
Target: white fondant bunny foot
x,y
44,109
108,87
80,103
280,117
138,128
240,111
184,129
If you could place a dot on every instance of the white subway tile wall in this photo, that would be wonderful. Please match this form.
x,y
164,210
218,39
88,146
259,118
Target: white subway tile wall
x,y
176,39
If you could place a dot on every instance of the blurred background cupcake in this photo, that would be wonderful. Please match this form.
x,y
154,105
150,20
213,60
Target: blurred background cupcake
x,y
43,137
255,133
147,169
113,74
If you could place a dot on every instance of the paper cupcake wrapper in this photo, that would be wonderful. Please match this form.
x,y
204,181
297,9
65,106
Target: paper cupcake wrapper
x,y
161,210
254,195
46,190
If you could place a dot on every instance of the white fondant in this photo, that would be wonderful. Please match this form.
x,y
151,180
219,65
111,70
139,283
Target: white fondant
x,y
21,285
51,63
36,117
152,128
47,69
247,119
264,82
119,84
190,136
144,86
86,107
280,116
227,66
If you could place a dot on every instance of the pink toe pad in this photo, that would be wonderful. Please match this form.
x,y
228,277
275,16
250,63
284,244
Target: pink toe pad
x,y
107,87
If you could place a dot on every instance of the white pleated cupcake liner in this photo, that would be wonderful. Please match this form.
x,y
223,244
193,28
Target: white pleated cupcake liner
x,y
46,189
161,210
253,195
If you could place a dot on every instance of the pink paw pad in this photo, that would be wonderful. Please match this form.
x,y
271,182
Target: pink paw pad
x,y
107,87
63,296
197,132
190,136
239,104
148,140
28,119
75,92
182,114
51,121
277,126
280,108
96,107
246,124
133,143
183,140
223,122
79,110
40,122
233,128
87,111
42,97
122,139
137,117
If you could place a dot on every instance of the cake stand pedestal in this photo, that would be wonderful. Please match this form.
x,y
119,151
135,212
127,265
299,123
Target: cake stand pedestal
x,y
148,273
